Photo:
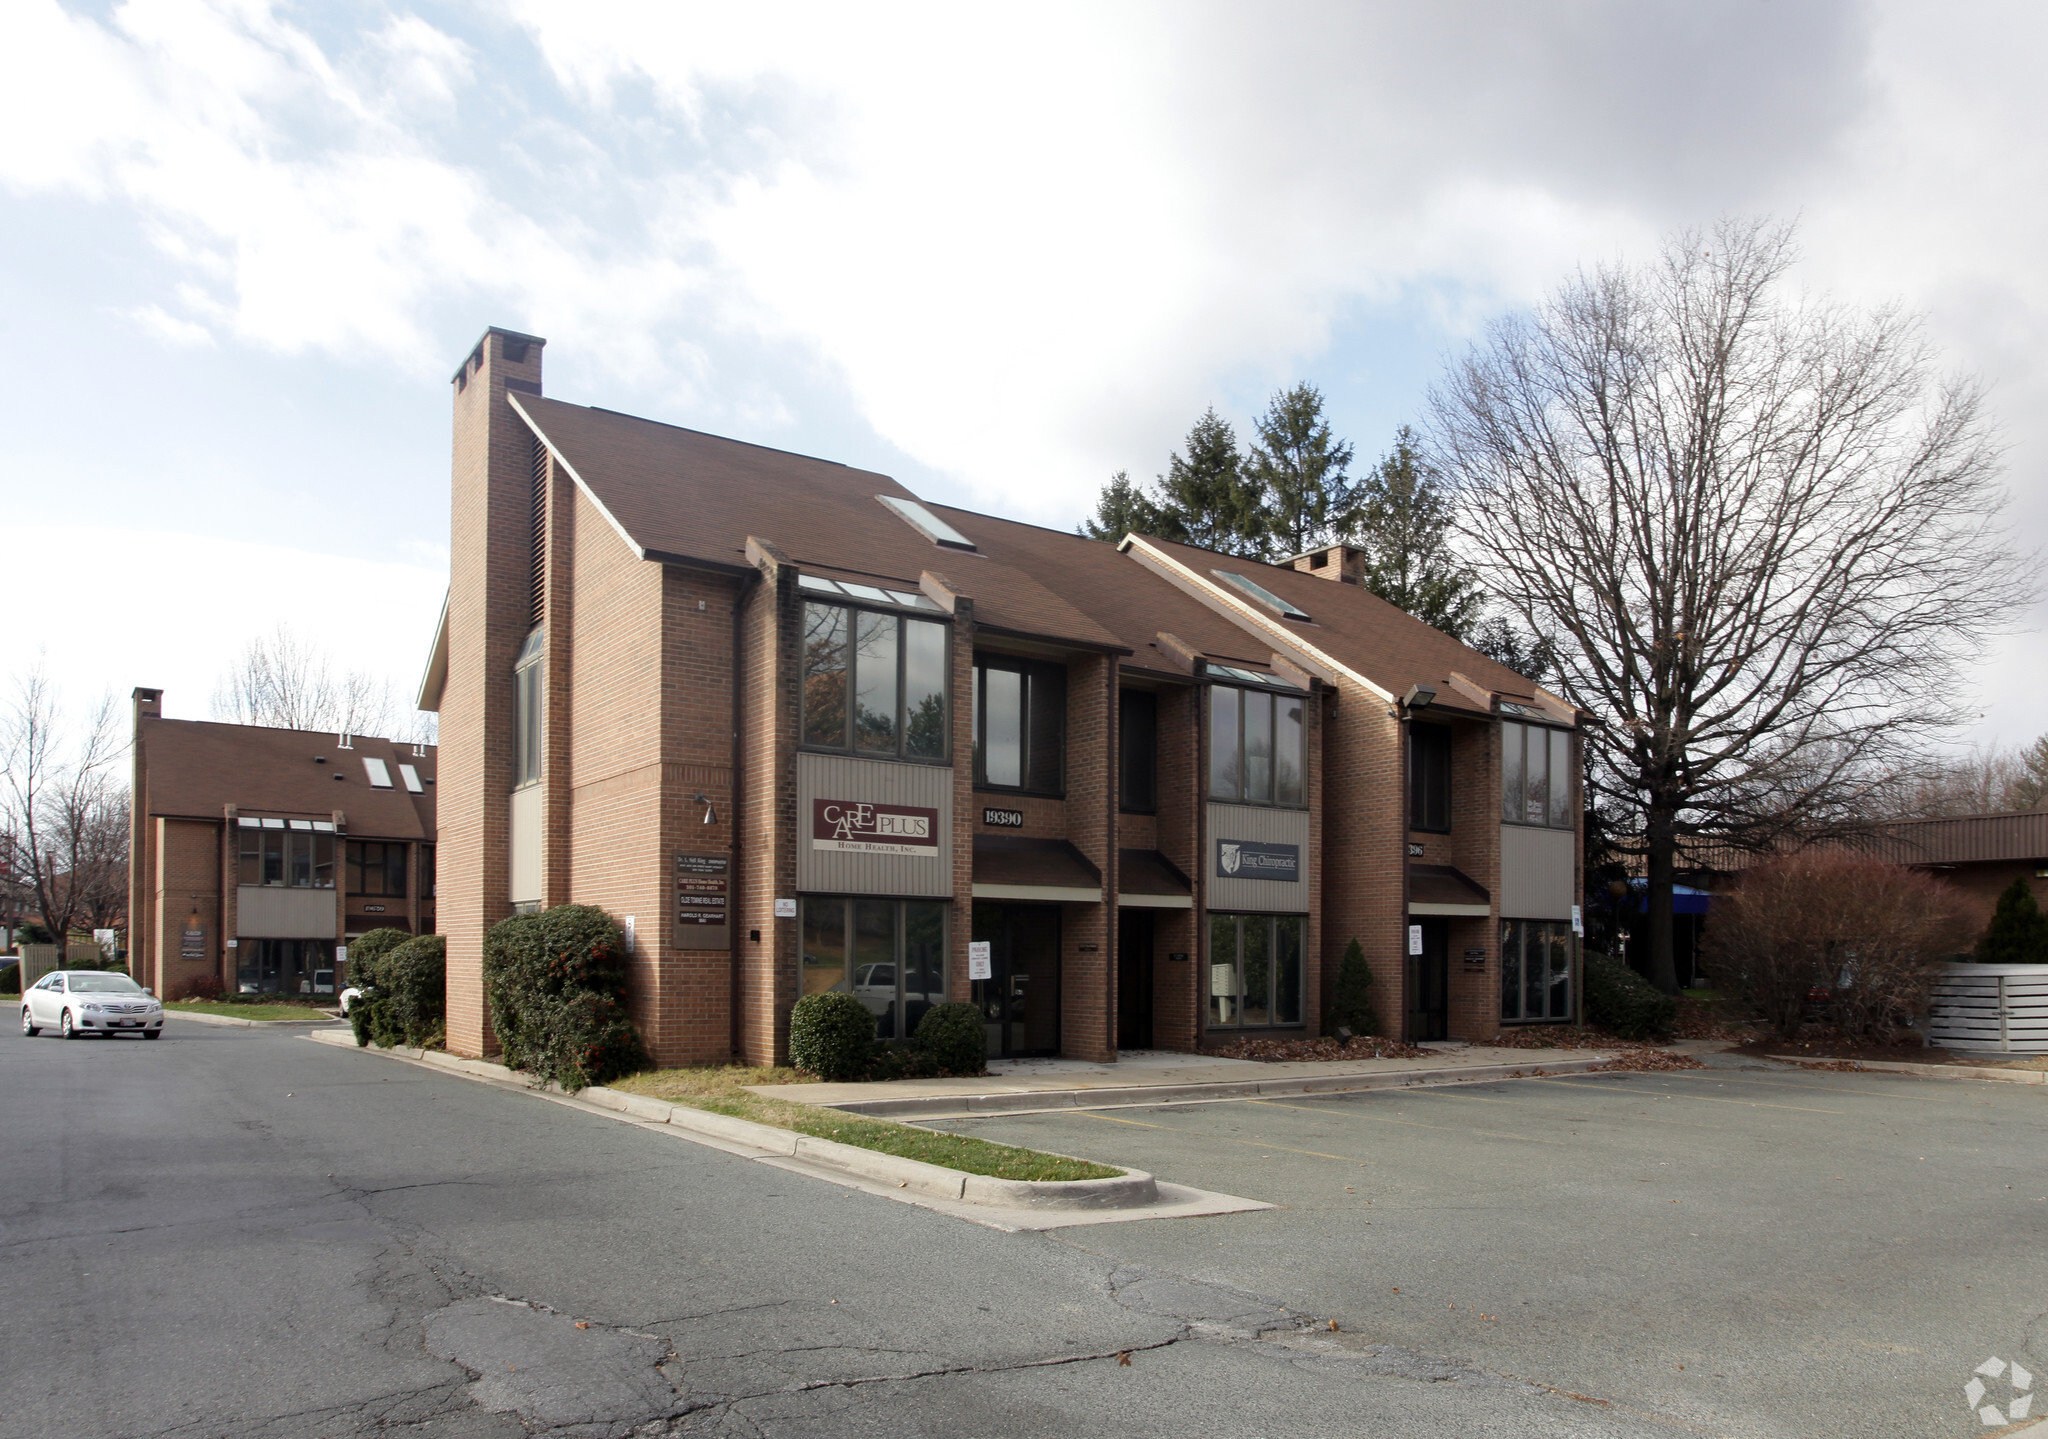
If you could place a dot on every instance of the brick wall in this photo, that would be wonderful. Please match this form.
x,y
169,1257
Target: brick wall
x,y
1087,931
187,864
1176,999
488,613
1363,856
1475,848
769,621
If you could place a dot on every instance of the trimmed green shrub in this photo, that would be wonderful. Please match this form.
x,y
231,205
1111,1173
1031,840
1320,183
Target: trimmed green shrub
x,y
2018,932
1351,1002
410,1006
556,984
832,1035
1620,1000
365,972
956,1037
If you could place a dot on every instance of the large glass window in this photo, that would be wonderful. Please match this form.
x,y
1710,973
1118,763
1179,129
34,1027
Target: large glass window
x,y
1536,775
874,683
284,966
1020,724
526,713
1256,753
890,954
376,868
1429,777
1535,970
289,854
1138,751
1254,970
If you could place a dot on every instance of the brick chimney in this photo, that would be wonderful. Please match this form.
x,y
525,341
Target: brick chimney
x,y
1342,563
489,614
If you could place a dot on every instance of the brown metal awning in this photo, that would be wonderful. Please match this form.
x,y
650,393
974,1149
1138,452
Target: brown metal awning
x,y
1440,889
1010,866
1147,879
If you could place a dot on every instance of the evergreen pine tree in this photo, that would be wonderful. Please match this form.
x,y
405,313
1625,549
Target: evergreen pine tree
x,y
1124,508
1403,523
1301,467
2018,932
1351,1002
1209,495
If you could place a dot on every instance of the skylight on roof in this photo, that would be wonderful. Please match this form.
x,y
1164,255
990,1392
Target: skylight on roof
x,y
872,594
378,771
926,523
411,777
1250,677
1260,593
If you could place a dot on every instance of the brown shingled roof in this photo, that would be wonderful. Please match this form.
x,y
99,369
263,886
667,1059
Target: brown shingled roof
x,y
194,768
686,497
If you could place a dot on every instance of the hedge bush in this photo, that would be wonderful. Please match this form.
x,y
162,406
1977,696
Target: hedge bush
x,y
832,1035
1620,1000
955,1035
364,958
410,1006
1351,1000
556,984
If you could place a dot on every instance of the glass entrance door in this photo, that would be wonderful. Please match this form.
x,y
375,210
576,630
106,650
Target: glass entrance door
x,y
1429,982
1134,979
1020,1001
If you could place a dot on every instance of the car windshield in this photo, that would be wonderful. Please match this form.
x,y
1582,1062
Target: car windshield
x,y
104,984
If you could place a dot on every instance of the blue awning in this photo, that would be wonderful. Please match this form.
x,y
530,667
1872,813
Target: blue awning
x,y
1684,899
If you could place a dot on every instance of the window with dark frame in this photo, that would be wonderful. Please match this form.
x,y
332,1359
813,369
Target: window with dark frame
x,y
1535,970
1257,750
1255,972
1137,726
890,954
1536,775
1429,777
376,869
426,871
1019,725
288,854
874,683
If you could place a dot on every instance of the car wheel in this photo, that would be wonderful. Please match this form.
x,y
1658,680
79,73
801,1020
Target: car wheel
x,y
152,1034
64,1026
28,1026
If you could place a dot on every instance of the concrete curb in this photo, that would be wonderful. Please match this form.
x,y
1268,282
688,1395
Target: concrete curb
x,y
1126,1096
323,1022
1934,1071
1132,1190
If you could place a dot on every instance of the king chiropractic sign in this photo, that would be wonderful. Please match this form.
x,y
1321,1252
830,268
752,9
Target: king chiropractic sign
x,y
862,828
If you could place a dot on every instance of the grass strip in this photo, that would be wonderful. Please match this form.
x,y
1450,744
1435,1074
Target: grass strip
x,y
290,1013
722,1089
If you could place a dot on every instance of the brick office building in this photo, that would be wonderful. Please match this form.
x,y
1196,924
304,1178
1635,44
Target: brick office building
x,y
256,854
799,731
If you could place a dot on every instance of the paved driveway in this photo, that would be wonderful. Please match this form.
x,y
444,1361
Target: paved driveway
x,y
1752,1251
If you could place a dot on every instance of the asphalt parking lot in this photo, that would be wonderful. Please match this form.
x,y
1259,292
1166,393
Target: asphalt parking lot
x,y
1748,1250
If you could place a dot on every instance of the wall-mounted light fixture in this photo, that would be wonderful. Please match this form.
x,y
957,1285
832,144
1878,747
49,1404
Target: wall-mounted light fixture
x,y
1419,697
710,814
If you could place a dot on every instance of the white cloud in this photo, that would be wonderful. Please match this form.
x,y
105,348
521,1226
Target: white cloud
x,y
174,612
181,334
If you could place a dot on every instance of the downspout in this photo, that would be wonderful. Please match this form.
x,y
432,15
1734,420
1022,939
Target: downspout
x,y
732,862
1402,739
1112,871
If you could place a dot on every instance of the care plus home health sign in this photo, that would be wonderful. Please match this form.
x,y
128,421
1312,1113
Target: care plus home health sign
x,y
863,828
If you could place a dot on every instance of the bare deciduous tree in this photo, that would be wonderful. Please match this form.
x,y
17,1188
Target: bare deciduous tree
x,y
1982,780
59,795
1762,531
285,682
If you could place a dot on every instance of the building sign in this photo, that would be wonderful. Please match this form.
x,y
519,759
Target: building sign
x,y
979,964
1578,921
861,828
1414,849
785,909
703,886
373,909
1415,939
194,946
1003,818
1249,859
1475,959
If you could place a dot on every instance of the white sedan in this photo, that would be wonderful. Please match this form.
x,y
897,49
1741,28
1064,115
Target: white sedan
x,y
88,1001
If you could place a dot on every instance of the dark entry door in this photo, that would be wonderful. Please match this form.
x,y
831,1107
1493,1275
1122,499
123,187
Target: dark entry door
x,y
1134,979
1429,982
1020,1001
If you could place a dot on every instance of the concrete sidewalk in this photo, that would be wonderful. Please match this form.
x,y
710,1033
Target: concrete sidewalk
x,y
1143,1077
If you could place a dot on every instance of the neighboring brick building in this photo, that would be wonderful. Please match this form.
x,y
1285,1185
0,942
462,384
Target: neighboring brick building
x,y
798,731
256,854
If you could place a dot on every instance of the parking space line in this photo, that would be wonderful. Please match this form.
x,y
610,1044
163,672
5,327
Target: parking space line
x,y
1411,1123
1700,1098
1175,1129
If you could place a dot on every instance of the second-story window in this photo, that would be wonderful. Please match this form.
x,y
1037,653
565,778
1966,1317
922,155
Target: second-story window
x,y
1020,725
286,854
1138,751
1429,777
526,723
1536,775
874,683
376,868
1256,753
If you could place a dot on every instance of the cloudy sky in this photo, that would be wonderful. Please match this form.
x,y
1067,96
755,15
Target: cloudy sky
x,y
999,252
